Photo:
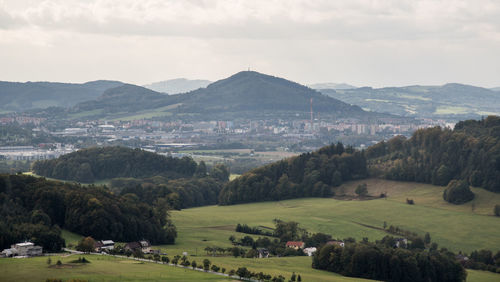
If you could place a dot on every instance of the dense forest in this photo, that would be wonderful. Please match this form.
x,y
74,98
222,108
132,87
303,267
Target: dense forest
x,y
470,152
381,261
36,209
308,175
178,193
88,165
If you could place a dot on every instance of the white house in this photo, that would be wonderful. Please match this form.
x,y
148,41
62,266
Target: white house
x,y
23,249
310,251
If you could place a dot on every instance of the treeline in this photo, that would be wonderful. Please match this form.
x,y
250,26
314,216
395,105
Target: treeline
x,y
178,193
380,261
483,260
470,152
88,165
308,175
243,228
35,209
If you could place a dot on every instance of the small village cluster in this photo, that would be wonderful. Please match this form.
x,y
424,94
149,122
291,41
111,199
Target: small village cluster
x,y
297,245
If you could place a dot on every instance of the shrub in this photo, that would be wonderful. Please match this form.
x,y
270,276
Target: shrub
x,y
458,192
361,190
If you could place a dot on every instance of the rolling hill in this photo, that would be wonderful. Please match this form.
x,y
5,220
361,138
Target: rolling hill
x,y
451,101
17,96
246,94
124,99
97,163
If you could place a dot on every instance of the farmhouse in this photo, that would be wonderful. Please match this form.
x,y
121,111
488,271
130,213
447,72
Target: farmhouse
x,y
295,244
142,245
104,245
23,249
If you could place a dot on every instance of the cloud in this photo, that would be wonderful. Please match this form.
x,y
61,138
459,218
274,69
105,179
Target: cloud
x,y
363,42
263,19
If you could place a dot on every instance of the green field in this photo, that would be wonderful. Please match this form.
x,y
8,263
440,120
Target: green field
x,y
454,227
465,227
446,110
101,268
70,238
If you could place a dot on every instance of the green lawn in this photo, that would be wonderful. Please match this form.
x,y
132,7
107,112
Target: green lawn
x,y
101,268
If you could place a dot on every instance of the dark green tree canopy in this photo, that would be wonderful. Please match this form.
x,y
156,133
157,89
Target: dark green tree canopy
x,y
458,192
88,165
470,152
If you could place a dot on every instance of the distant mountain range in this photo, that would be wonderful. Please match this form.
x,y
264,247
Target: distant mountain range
x,y
246,94
17,96
331,85
495,89
178,85
451,101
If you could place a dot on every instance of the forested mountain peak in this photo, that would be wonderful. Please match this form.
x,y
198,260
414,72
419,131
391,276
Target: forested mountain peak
x,y
250,91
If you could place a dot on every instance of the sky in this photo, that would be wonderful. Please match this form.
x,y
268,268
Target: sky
x,y
361,42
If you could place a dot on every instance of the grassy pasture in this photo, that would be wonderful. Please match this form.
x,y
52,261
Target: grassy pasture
x,y
70,237
425,194
454,227
101,268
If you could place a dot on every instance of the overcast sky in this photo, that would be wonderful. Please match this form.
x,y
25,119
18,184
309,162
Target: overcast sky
x,y
361,42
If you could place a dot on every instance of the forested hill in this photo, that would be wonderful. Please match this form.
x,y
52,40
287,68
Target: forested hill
x,y
126,98
308,175
16,96
88,165
250,91
246,94
450,101
470,152
35,209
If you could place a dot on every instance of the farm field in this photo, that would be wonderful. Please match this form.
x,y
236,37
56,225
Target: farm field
x,y
101,268
449,226
454,227
424,194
